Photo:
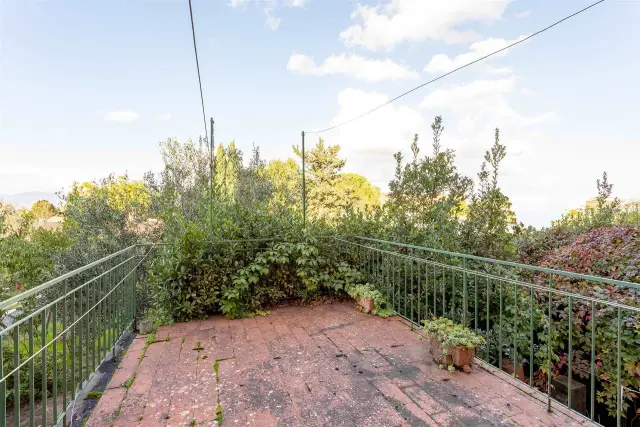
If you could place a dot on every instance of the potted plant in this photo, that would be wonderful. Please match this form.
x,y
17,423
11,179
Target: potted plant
x,y
370,299
452,346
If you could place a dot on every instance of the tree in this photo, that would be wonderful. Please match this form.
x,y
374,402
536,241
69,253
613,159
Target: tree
x,y
427,195
487,226
43,209
358,192
323,173
253,185
285,176
228,167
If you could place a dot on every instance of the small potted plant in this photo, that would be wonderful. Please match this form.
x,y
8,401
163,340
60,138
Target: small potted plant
x,y
452,346
370,300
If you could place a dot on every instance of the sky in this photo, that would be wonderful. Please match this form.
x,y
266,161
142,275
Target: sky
x,y
90,87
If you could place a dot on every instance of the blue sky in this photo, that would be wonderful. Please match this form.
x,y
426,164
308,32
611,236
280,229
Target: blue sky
x,y
89,88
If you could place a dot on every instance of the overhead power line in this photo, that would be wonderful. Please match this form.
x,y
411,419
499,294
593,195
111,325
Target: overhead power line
x,y
456,69
195,49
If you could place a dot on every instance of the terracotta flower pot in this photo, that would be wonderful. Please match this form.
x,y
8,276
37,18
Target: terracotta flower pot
x,y
366,304
460,357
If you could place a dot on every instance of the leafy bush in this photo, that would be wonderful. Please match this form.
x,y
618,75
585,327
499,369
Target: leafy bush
x,y
451,335
611,252
367,290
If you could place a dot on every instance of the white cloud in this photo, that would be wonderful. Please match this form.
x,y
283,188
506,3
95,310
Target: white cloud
x,y
471,112
271,22
122,116
370,70
368,144
483,98
270,3
397,21
523,14
165,117
442,63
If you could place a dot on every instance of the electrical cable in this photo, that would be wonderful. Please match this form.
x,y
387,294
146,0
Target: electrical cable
x,y
195,49
454,70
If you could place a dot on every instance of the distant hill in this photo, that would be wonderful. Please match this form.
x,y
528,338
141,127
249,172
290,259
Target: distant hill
x,y
26,200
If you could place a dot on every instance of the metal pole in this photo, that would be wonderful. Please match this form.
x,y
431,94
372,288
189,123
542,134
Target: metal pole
x,y
211,162
304,189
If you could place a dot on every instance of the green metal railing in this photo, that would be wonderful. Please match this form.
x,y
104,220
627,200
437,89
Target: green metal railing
x,y
65,329
531,315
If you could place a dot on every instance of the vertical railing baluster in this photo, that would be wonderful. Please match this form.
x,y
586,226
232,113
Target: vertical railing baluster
x,y
465,292
87,317
81,340
475,308
32,385
393,287
3,388
443,284
619,363
104,324
453,294
570,355
16,376
411,282
54,355
43,331
92,318
435,291
593,359
73,345
405,288
500,332
419,299
531,337
515,331
64,350
487,319
549,329
426,290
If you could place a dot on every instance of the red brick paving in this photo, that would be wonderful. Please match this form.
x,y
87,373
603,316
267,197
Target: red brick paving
x,y
327,365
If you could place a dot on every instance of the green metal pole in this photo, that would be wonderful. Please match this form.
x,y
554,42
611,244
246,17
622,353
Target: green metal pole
x,y
211,172
304,189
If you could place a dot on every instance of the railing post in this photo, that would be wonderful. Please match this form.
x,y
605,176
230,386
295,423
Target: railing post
x,y
465,292
619,360
549,348
3,389
304,188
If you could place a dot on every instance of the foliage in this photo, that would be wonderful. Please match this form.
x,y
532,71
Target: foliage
x,y
30,262
284,175
323,174
451,335
43,209
610,252
358,192
369,291
486,229
427,194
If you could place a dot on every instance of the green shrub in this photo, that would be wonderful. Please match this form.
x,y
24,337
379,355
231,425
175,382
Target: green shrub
x,y
367,290
449,334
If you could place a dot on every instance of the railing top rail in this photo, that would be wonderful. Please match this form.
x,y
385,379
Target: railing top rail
x,y
507,263
15,299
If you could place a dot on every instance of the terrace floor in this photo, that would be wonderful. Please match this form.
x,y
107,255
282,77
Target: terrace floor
x,y
326,365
